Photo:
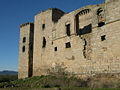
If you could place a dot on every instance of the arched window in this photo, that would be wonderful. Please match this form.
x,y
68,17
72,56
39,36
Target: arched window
x,y
24,39
101,18
99,11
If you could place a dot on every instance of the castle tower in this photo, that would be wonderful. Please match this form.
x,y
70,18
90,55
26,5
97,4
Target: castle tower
x,y
26,50
44,26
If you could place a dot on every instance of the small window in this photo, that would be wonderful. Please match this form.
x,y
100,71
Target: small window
x,y
68,29
55,49
44,42
103,37
23,49
68,45
24,39
100,24
43,26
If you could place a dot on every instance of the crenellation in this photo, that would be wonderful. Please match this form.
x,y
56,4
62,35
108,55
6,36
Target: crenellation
x,y
86,41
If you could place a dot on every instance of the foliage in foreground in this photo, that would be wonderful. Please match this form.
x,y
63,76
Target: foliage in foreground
x,y
45,82
59,78
8,78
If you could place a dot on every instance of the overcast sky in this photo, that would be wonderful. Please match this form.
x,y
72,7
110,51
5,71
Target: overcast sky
x,y
15,12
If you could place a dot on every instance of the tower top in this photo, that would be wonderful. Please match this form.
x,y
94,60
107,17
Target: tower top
x,y
28,23
109,0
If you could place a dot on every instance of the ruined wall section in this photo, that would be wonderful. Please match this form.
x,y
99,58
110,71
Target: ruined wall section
x,y
56,14
73,50
26,50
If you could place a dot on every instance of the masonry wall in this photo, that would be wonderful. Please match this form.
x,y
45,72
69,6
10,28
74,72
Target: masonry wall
x,y
86,41
94,40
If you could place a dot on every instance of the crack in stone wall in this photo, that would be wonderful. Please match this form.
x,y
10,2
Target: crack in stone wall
x,y
87,46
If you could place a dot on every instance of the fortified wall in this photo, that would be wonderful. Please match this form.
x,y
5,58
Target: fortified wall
x,y
86,41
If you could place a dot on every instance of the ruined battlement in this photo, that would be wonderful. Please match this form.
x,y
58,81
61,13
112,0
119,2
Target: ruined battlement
x,y
86,41
28,23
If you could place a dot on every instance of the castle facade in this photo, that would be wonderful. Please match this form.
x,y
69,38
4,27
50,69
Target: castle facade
x,y
86,41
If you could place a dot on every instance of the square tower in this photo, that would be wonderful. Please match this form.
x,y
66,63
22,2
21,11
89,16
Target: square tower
x,y
26,50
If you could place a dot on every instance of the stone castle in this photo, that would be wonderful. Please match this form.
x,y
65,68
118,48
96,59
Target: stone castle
x,y
86,41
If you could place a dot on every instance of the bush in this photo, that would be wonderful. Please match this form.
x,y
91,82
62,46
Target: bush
x,y
7,78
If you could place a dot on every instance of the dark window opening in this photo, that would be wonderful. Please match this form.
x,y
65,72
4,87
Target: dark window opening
x,y
68,29
44,42
55,49
103,37
100,24
68,45
24,39
23,49
52,43
43,26
87,29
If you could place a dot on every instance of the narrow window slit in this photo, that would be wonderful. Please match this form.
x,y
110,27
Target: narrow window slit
x,y
24,39
23,49
44,42
68,30
43,26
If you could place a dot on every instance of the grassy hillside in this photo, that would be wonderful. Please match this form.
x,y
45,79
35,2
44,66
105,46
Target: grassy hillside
x,y
59,79
65,83
8,78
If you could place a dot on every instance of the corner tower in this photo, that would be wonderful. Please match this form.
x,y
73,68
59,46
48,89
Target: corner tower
x,y
26,50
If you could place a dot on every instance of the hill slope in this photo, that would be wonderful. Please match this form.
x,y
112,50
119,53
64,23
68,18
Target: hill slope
x,y
6,72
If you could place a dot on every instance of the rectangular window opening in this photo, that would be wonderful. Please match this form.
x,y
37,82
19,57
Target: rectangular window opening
x,y
55,49
43,26
68,45
44,43
103,37
68,29
100,24
23,49
24,39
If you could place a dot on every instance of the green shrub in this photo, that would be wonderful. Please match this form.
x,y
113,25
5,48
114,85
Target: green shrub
x,y
7,78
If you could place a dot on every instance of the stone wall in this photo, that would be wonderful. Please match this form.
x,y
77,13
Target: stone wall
x,y
86,41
